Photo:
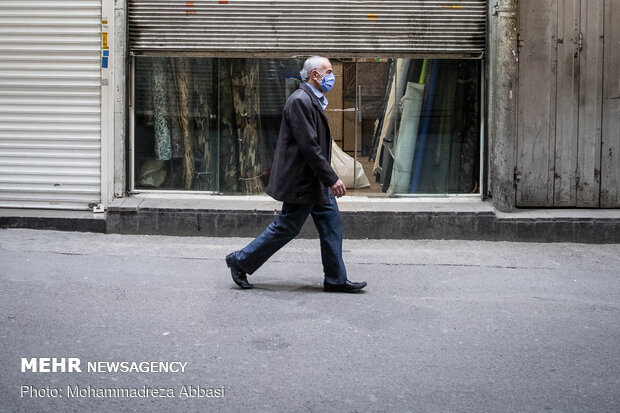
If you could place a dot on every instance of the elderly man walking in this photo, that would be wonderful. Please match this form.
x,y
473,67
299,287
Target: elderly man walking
x,y
303,179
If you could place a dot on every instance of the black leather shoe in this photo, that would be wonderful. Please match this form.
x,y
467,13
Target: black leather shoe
x,y
238,275
347,287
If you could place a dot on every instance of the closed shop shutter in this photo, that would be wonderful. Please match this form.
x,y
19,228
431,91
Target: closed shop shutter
x,y
50,103
334,28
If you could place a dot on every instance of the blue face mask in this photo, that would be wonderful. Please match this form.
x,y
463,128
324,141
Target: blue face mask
x,y
327,83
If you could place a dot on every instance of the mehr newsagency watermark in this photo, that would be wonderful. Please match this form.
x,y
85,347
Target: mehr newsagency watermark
x,y
75,365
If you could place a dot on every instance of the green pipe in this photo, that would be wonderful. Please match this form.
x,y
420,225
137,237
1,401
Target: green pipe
x,y
423,73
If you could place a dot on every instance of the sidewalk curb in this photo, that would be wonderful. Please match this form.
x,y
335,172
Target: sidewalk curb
x,y
79,221
481,225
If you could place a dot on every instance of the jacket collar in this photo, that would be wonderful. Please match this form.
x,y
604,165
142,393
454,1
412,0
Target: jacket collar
x,y
315,100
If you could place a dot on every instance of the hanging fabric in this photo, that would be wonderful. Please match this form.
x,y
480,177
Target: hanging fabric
x,y
404,148
428,107
397,89
163,148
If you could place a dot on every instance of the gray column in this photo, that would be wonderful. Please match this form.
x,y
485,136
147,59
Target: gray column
x,y
119,51
502,112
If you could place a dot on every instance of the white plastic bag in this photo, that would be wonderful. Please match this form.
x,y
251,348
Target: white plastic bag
x,y
343,166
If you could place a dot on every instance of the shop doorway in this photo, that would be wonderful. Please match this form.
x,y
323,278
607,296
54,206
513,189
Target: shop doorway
x,y
412,126
356,107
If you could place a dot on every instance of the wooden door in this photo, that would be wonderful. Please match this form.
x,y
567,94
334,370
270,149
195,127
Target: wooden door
x,y
567,99
536,103
589,48
610,154
567,115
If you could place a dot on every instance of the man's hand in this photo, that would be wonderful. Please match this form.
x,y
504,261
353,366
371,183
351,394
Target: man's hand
x,y
338,189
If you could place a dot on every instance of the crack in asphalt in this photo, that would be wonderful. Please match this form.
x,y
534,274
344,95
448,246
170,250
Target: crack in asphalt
x,y
349,262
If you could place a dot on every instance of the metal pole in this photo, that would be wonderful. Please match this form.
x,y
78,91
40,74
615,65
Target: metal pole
x,y
357,130
132,126
358,108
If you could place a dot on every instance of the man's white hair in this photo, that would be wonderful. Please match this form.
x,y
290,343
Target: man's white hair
x,y
312,63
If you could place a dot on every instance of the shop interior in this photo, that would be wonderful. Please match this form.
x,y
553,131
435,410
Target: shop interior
x,y
403,126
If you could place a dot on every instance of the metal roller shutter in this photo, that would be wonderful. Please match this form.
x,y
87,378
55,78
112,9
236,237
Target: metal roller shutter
x,y
364,28
50,103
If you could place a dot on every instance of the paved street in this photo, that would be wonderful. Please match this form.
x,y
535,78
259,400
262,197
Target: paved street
x,y
444,326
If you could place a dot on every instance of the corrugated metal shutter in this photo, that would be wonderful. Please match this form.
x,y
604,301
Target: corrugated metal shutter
x,y
50,103
365,28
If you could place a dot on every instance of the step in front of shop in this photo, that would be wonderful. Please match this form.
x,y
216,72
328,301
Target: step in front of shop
x,y
372,220
58,220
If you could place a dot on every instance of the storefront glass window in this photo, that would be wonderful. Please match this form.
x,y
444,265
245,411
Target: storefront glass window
x,y
211,124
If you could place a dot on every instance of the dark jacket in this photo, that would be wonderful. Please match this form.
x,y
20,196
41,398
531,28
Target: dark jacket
x,y
301,171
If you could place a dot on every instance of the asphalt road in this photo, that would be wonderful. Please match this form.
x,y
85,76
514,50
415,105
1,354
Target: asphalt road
x,y
444,326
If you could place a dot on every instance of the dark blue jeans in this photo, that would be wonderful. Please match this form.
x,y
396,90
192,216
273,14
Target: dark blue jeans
x,y
286,227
